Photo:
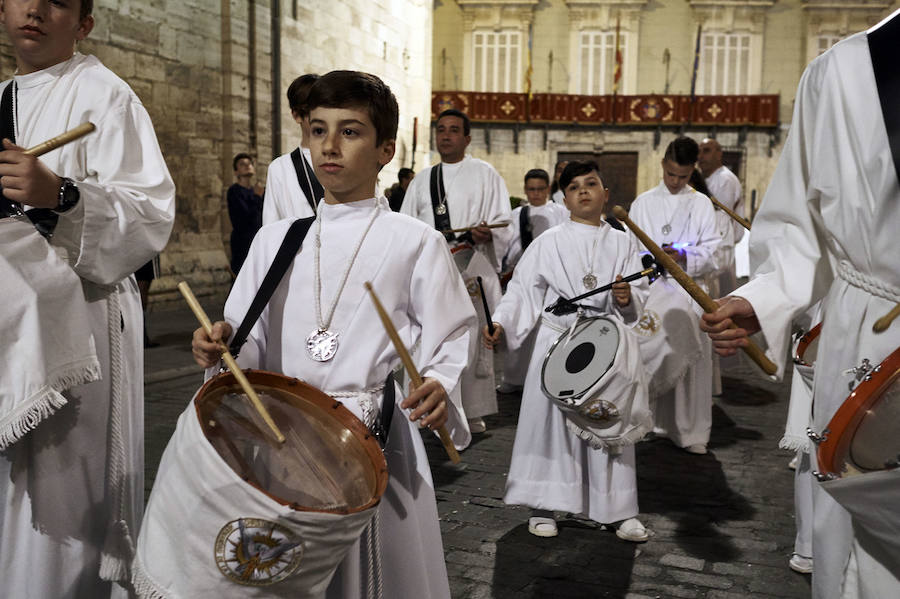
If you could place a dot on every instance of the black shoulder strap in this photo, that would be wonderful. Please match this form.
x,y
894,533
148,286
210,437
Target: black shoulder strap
x,y
293,239
310,185
7,130
438,207
883,48
525,230
382,427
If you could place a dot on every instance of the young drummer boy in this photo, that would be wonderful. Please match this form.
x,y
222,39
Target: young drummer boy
x,y
552,468
356,238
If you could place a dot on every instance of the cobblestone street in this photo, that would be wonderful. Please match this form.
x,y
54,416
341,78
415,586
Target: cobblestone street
x,y
722,523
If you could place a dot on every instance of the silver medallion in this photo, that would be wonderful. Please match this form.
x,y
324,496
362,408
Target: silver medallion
x,y
441,209
321,345
667,228
589,280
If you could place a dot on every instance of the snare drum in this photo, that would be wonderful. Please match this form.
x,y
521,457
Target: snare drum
x,y
596,376
235,513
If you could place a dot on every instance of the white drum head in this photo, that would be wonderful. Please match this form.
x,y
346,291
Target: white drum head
x,y
574,365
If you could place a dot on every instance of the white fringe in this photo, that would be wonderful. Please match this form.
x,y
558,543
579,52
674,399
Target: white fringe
x,y
795,443
596,442
47,400
117,553
144,586
657,385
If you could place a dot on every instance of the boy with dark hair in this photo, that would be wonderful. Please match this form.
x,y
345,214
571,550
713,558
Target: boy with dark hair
x,y
293,189
71,490
552,467
398,190
683,222
528,221
335,341
245,208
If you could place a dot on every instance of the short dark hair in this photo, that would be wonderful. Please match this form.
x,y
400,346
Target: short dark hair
x,y
467,124
405,173
537,173
699,183
298,91
239,157
346,89
87,8
683,151
577,169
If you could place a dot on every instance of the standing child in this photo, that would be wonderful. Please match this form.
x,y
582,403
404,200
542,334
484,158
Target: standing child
x,y
553,468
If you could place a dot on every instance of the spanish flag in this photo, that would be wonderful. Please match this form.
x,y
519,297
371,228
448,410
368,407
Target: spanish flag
x,y
617,73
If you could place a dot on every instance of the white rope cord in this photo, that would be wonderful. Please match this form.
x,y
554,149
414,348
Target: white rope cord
x,y
868,283
374,582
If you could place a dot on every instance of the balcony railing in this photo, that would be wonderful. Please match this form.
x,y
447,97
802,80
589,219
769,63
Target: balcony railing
x,y
639,110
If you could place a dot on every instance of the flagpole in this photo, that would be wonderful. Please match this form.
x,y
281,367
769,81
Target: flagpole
x,y
694,75
617,71
528,72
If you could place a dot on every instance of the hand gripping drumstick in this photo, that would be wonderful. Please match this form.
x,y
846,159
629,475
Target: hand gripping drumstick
x,y
740,219
60,140
229,360
694,290
410,367
882,324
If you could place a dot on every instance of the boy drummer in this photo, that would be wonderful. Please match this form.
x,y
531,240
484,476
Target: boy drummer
x,y
552,468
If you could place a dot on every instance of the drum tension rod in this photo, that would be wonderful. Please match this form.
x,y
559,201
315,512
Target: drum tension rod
x,y
817,438
823,478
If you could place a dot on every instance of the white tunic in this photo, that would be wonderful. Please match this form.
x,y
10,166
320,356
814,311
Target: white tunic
x,y
685,413
416,281
284,196
827,230
551,467
726,188
57,498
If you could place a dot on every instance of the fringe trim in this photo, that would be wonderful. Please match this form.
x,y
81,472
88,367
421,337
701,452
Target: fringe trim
x,y
46,401
794,443
144,586
596,442
117,554
657,386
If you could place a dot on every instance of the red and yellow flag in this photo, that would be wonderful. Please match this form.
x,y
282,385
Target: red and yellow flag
x,y
617,73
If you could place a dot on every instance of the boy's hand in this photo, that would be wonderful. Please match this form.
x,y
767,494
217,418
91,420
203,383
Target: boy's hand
x,y
27,180
430,402
208,348
482,234
621,292
491,341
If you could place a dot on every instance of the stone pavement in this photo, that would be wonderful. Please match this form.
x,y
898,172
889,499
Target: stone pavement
x,y
722,523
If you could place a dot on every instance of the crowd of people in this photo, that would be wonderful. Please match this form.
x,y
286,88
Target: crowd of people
x,y
95,210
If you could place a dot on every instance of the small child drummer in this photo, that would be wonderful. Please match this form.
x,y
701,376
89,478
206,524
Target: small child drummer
x,y
553,468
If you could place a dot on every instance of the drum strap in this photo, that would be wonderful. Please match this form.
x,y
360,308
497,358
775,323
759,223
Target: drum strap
x,y
310,185
293,239
883,49
382,427
525,231
441,221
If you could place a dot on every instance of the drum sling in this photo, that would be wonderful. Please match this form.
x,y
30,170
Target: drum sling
x,y
310,185
526,233
883,49
439,207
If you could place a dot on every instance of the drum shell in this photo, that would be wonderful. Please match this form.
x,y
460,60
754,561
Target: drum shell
x,y
196,494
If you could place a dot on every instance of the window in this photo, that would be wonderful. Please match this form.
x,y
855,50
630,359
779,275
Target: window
x,y
824,42
497,57
598,62
724,63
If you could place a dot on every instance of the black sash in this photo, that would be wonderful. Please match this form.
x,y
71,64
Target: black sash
x,y
305,177
525,230
883,49
441,221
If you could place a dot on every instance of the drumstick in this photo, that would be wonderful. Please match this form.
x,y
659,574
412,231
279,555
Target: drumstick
x,y
487,310
410,367
740,219
694,290
885,321
59,140
198,311
465,229
564,302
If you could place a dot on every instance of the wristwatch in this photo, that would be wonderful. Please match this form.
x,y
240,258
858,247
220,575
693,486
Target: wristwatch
x,y
68,195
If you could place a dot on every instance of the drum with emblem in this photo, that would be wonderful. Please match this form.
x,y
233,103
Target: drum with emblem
x,y
805,354
594,373
235,513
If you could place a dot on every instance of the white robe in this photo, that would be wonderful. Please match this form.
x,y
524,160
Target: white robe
x,y
284,196
57,499
726,188
827,228
416,281
551,467
475,193
685,413
542,218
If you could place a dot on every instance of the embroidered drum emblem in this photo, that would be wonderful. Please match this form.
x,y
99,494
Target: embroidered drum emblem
x,y
648,325
257,552
472,287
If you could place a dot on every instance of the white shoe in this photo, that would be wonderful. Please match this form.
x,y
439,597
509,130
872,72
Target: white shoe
x,y
477,425
542,527
696,448
508,388
632,530
803,565
793,464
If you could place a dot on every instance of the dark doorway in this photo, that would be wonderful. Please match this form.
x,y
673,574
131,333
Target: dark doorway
x,y
619,173
734,159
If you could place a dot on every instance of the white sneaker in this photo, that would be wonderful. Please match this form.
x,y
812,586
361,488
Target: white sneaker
x,y
542,527
632,530
508,388
793,463
696,448
477,425
801,564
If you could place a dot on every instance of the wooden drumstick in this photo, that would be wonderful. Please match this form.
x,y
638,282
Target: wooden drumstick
x,y
740,219
466,229
694,290
410,367
885,321
198,311
60,140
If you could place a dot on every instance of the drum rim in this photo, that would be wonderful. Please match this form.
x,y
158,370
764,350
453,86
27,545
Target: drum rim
x,y
850,414
804,343
324,401
555,343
